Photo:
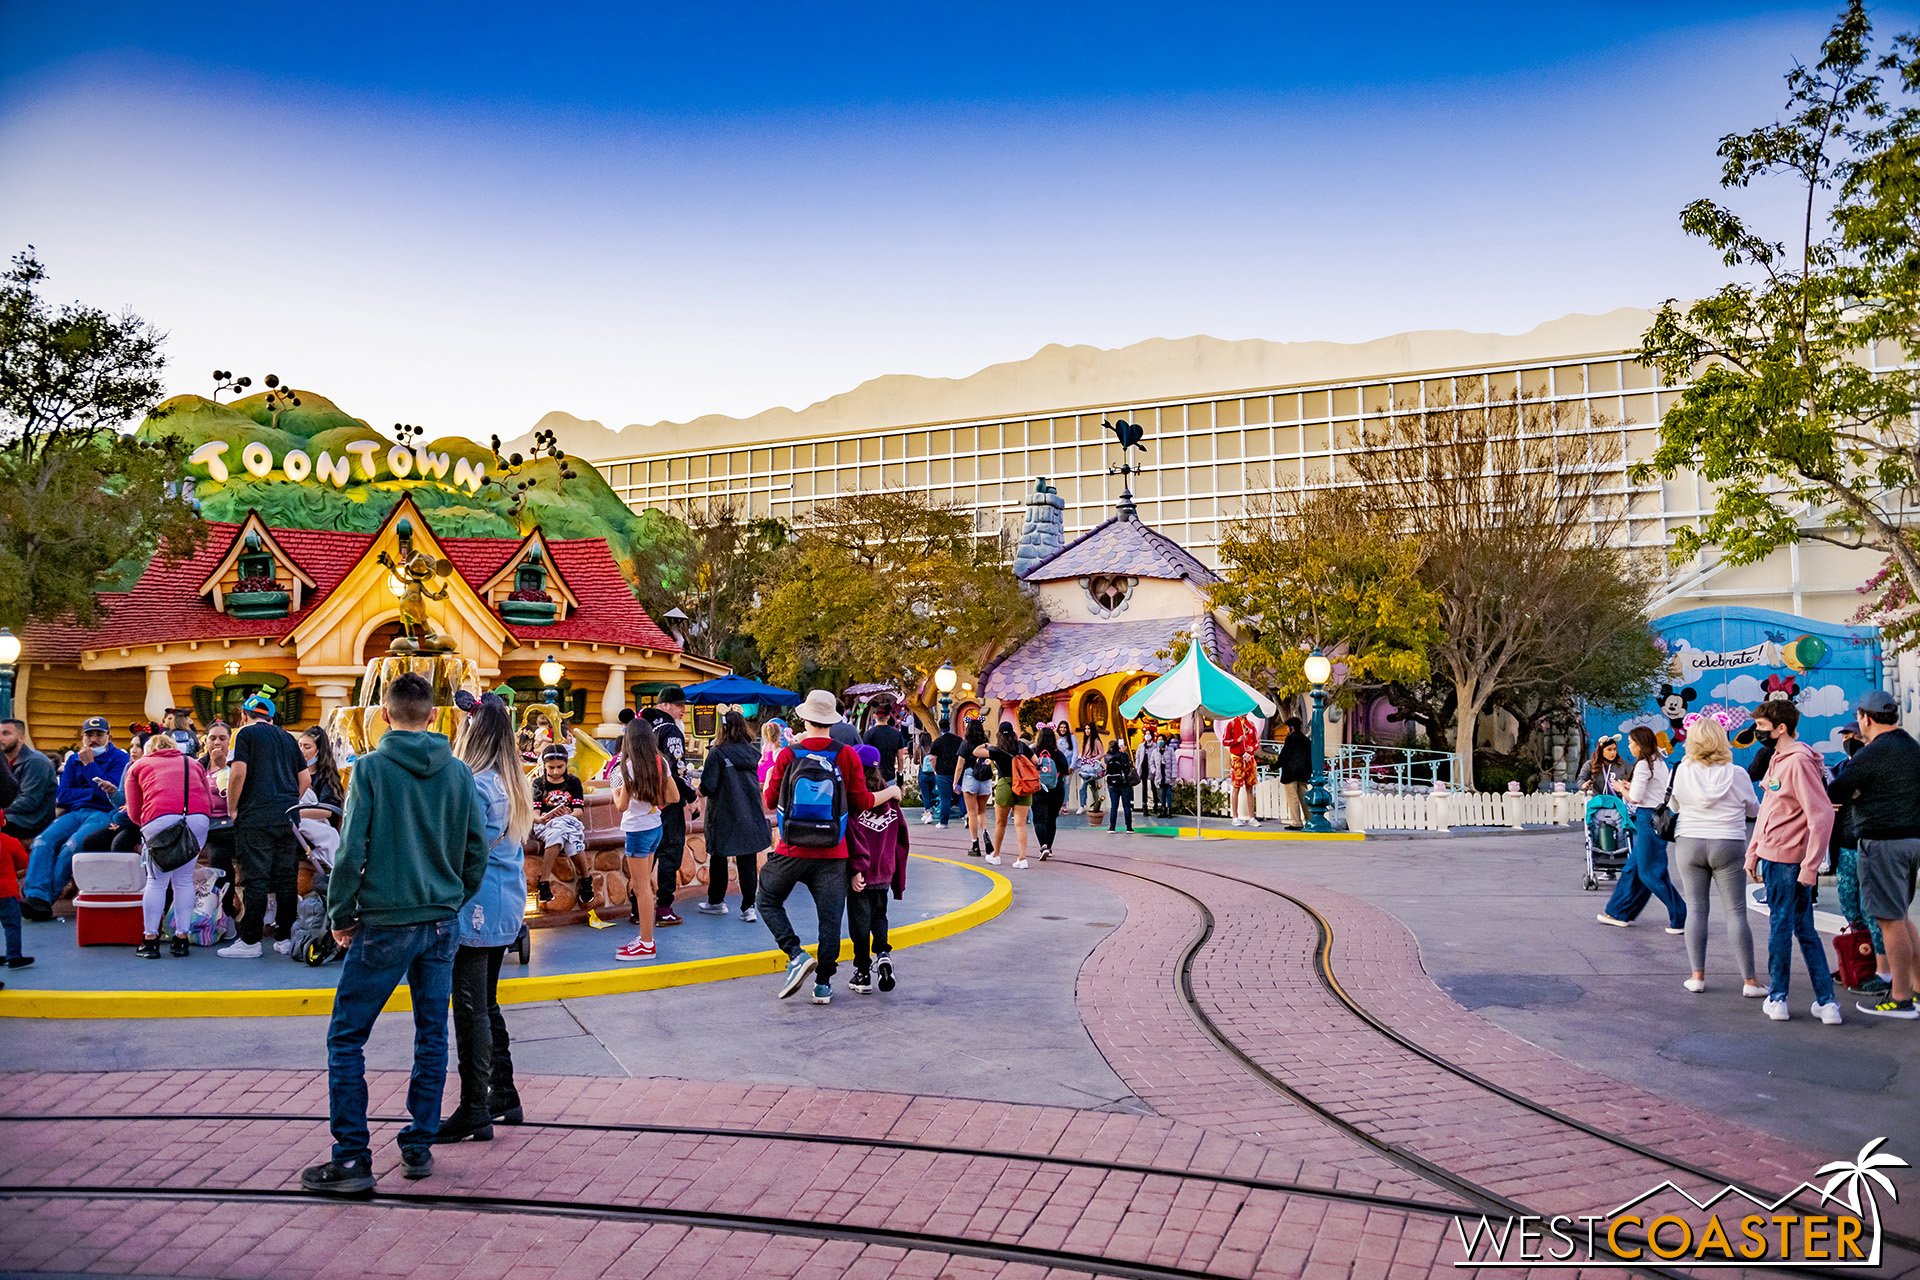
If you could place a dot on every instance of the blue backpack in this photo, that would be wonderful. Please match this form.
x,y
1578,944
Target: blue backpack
x,y
1049,772
813,799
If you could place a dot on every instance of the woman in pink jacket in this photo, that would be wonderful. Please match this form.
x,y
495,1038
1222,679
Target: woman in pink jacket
x,y
1788,847
163,789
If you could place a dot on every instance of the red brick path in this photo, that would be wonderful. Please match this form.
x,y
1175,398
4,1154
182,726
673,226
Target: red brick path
x,y
1254,978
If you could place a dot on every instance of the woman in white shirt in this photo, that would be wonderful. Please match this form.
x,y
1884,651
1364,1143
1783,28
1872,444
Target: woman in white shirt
x,y
1645,875
1715,800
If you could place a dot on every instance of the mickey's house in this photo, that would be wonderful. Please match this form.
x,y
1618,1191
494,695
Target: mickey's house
x,y
297,613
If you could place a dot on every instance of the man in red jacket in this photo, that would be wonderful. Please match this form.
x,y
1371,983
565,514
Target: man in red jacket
x,y
814,784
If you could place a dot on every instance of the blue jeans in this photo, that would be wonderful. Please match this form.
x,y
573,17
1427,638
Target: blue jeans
x,y
943,803
10,922
1119,797
1645,876
1790,920
50,865
1166,798
380,957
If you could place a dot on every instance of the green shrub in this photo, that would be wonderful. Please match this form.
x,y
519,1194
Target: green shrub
x,y
1216,800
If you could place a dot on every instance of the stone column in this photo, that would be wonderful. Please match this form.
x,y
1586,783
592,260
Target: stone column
x,y
613,700
1063,710
159,692
332,696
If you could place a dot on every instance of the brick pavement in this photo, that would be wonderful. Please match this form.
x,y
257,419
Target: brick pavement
x,y
1213,1118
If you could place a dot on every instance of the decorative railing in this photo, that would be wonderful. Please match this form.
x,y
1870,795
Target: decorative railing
x,y
1393,770
1444,810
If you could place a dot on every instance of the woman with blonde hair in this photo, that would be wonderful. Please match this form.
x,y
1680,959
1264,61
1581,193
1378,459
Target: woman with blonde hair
x,y
1715,801
488,924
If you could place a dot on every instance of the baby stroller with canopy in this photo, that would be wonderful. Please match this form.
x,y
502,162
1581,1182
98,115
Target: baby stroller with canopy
x,y
1609,825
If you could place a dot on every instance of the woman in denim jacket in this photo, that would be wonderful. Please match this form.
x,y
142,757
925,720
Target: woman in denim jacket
x,y
489,923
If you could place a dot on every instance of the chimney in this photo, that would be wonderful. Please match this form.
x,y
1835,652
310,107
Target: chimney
x,y
1044,533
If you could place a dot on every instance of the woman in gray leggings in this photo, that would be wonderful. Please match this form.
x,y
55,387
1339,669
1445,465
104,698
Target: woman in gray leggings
x,y
1715,801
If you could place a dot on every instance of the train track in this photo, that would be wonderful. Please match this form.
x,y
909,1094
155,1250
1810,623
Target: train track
x,y
1481,1196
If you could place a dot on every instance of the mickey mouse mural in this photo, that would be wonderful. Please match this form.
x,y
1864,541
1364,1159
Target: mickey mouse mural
x,y
1724,662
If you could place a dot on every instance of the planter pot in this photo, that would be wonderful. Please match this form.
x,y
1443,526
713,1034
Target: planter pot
x,y
528,613
258,604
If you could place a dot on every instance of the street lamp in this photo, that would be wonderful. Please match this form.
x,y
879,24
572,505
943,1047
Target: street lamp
x,y
1318,799
944,679
9,655
551,674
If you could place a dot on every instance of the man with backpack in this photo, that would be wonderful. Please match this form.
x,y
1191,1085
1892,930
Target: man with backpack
x,y
813,786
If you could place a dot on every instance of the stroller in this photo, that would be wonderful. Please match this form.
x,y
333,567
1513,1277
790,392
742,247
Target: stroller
x,y
1609,825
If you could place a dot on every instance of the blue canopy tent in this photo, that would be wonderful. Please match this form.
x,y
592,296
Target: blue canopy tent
x,y
737,691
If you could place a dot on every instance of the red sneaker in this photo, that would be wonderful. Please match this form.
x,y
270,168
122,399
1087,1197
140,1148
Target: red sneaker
x,y
638,949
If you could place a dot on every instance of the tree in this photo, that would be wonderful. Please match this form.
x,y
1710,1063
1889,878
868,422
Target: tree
x,y
1315,570
727,556
78,498
1784,417
885,587
1507,507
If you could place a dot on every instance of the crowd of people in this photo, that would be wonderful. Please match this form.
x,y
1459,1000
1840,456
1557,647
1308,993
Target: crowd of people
x,y
1705,828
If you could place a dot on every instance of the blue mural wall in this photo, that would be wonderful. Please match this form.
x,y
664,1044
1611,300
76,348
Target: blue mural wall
x,y
1727,661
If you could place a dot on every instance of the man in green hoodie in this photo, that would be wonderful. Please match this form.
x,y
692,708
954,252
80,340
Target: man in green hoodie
x,y
391,902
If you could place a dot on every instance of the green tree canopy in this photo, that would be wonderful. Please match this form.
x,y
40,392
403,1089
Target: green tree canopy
x,y
78,497
1786,417
885,587
1314,571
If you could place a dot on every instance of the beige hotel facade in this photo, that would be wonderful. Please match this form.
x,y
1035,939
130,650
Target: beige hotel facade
x,y
1225,420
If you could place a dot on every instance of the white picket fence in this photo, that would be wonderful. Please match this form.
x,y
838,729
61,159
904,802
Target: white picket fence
x,y
1428,811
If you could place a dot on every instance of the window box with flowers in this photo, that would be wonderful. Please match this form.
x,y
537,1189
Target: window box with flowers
x,y
529,607
257,597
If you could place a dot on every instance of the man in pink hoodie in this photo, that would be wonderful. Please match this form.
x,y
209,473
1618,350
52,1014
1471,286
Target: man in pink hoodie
x,y
1788,847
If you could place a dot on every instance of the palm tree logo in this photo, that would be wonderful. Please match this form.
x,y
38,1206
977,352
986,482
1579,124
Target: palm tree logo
x,y
1855,1178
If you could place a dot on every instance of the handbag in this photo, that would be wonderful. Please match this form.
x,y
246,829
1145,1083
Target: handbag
x,y
175,847
1853,956
1666,819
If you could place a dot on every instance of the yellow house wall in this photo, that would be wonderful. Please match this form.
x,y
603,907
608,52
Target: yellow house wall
x,y
1152,598
59,698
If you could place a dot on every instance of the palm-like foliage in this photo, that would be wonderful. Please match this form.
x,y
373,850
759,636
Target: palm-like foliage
x,y
1851,1177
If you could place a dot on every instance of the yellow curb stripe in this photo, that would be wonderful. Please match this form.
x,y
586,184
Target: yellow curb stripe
x,y
314,1001
1229,833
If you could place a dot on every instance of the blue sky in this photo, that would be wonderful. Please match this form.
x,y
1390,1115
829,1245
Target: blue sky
x,y
465,217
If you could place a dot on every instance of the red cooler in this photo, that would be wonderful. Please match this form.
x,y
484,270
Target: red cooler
x,y
107,919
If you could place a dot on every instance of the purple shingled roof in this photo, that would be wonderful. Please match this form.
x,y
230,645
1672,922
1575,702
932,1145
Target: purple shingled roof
x,y
1065,654
1122,545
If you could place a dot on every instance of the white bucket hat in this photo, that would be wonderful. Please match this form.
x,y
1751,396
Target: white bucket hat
x,y
819,708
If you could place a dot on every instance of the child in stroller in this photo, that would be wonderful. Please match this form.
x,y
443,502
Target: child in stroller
x,y
1609,826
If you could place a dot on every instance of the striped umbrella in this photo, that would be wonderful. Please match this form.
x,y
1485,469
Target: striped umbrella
x,y
1196,683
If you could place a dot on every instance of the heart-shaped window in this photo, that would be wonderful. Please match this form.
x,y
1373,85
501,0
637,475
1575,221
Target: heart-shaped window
x,y
1108,592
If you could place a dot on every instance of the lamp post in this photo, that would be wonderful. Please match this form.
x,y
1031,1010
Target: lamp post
x,y
1318,798
944,678
551,674
9,655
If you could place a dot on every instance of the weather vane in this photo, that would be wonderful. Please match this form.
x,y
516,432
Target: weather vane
x,y
1129,434
410,575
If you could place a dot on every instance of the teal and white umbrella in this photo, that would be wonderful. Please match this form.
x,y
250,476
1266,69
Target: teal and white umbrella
x,y
1193,684
1196,683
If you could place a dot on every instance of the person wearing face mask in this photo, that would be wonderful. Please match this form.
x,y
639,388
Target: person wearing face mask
x,y
1645,875
1788,847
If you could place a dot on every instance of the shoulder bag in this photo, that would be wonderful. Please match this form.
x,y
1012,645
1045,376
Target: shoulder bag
x,y
176,847
1666,819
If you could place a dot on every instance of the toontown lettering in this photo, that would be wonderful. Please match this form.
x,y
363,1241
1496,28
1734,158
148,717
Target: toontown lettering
x,y
402,462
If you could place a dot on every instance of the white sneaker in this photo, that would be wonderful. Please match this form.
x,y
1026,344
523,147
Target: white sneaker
x,y
1019,864
1674,931
993,859
1752,990
926,819
1604,918
1828,1013
283,947
1695,985
748,915
712,908
1776,1009
240,951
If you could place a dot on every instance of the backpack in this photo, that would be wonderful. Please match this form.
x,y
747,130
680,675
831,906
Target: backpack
x,y
1026,776
813,799
1049,772
982,769
312,936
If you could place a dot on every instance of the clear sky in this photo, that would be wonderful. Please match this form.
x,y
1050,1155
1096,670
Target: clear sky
x,y
467,215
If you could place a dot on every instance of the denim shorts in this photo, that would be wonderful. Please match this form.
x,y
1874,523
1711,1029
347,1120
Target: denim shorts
x,y
641,844
972,786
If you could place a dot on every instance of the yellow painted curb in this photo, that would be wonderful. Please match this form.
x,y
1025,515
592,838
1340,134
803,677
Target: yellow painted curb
x,y
310,1001
1229,833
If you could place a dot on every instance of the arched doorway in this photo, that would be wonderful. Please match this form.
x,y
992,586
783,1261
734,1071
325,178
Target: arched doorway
x,y
1092,713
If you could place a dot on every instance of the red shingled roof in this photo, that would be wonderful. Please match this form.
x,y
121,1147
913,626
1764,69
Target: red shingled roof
x,y
164,605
